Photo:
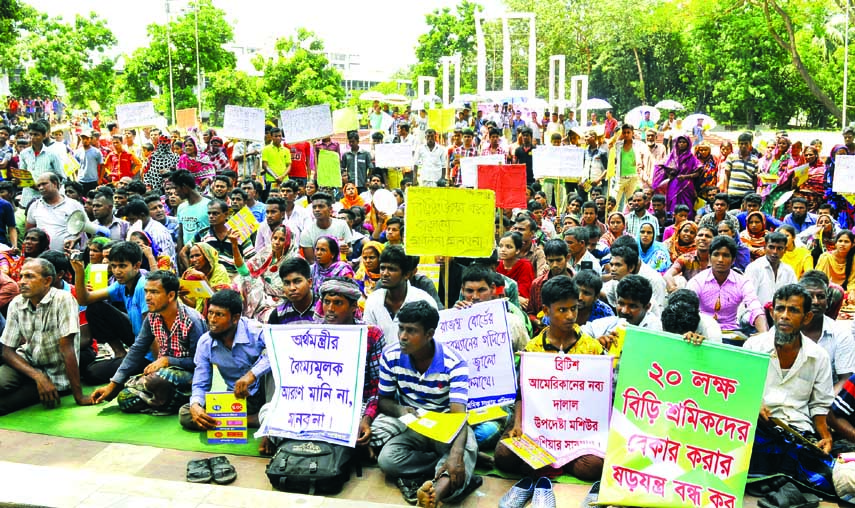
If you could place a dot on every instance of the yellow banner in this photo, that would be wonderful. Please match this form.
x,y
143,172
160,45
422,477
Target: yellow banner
x,y
441,120
449,222
244,222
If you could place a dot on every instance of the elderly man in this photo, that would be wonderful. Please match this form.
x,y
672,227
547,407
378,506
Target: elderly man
x,y
51,211
40,343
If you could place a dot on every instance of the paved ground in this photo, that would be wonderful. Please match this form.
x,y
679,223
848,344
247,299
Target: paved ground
x,y
58,472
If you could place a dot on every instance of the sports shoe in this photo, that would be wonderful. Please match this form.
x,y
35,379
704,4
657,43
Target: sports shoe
x,y
519,494
593,495
543,496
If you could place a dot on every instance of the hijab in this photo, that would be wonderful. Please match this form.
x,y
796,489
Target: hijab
x,y
674,248
349,202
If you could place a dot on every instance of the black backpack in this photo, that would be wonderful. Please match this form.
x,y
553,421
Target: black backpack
x,y
311,467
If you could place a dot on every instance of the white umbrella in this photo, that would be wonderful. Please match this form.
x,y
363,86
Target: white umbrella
x,y
690,121
430,98
372,96
396,99
471,97
636,115
669,105
594,103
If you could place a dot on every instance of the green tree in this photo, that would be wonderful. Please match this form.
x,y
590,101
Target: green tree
x,y
147,70
299,74
449,34
235,88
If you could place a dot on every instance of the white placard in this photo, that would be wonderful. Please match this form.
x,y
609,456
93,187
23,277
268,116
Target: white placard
x,y
243,123
480,335
844,174
566,403
318,372
393,155
303,124
469,167
136,114
558,162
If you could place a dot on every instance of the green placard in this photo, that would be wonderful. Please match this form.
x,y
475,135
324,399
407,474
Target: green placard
x,y
329,169
683,422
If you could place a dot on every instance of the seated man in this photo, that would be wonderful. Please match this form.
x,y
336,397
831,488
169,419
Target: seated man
x,y
235,345
625,261
768,273
689,264
633,307
682,316
478,284
443,387
721,290
833,336
164,385
560,301
798,392
40,343
590,306
557,256
296,275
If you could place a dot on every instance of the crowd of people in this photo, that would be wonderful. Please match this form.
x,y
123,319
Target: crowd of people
x,y
685,237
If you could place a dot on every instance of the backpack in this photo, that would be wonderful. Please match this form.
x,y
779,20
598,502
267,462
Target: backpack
x,y
311,467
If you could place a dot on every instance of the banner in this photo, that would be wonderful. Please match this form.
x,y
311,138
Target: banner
x,y
346,119
243,123
480,335
329,169
441,120
469,168
318,372
566,403
136,114
683,422
187,118
844,174
462,226
304,124
393,155
558,162
508,181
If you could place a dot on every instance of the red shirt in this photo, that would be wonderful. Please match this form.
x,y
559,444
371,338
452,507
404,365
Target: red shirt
x,y
299,159
122,164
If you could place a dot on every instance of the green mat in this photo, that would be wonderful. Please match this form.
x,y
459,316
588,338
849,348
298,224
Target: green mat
x,y
572,480
108,424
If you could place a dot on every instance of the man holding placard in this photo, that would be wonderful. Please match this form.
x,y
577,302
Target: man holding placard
x,y
275,159
37,161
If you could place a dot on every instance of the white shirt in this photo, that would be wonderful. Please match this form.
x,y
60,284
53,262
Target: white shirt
x,y
837,340
760,273
588,257
53,219
599,327
657,301
378,315
805,391
430,163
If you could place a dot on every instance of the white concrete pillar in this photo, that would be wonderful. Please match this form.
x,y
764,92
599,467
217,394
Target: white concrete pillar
x,y
426,86
506,56
481,57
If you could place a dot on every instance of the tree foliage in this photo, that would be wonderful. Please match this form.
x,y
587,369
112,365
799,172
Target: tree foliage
x,y
449,33
235,88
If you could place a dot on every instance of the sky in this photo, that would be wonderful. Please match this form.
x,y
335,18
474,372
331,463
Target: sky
x,y
383,32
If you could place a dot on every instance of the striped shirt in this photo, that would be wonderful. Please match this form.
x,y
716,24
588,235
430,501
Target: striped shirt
x,y
743,176
445,382
37,165
224,248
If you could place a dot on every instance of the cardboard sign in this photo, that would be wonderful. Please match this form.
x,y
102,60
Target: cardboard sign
x,y
463,226
303,124
683,422
558,162
480,335
99,278
244,222
529,451
318,372
329,169
442,427
243,123
230,415
844,174
566,403
507,181
393,155
469,168
441,120
345,119
187,118
24,177
136,114
199,289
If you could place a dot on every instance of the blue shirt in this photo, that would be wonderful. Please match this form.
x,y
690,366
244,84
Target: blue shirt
x,y
809,220
246,354
771,222
445,382
135,305
259,210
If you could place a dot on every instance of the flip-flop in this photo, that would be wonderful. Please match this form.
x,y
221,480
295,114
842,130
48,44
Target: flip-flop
x,y
789,496
199,471
223,472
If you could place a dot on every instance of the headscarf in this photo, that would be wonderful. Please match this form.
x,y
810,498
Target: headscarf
x,y
709,177
337,268
161,162
684,162
218,278
200,165
368,280
348,288
756,242
674,248
348,202
608,237
656,256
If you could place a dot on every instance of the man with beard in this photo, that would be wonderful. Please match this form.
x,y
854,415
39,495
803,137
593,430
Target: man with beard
x,y
235,345
798,392
221,187
375,183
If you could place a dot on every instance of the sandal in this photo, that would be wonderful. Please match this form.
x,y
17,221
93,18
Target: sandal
x,y
789,496
223,472
199,471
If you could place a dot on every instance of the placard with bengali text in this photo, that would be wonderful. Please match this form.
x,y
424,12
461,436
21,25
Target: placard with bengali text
x,y
449,222
243,123
303,124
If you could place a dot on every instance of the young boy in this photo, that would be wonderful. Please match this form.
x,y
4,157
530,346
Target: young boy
x,y
560,297
418,373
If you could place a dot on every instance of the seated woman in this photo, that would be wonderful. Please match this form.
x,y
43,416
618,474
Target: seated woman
x,y
681,215
369,267
328,263
36,241
204,265
838,264
260,284
515,267
683,240
351,196
196,162
754,235
152,258
820,237
653,253
617,228
797,255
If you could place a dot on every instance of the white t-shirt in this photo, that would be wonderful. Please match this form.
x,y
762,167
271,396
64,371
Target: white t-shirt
x,y
338,229
376,313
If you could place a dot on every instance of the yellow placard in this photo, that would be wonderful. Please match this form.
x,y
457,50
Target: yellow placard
x,y
329,169
244,222
24,177
485,414
345,119
98,277
187,118
442,427
449,222
197,288
529,451
441,120
431,272
229,412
